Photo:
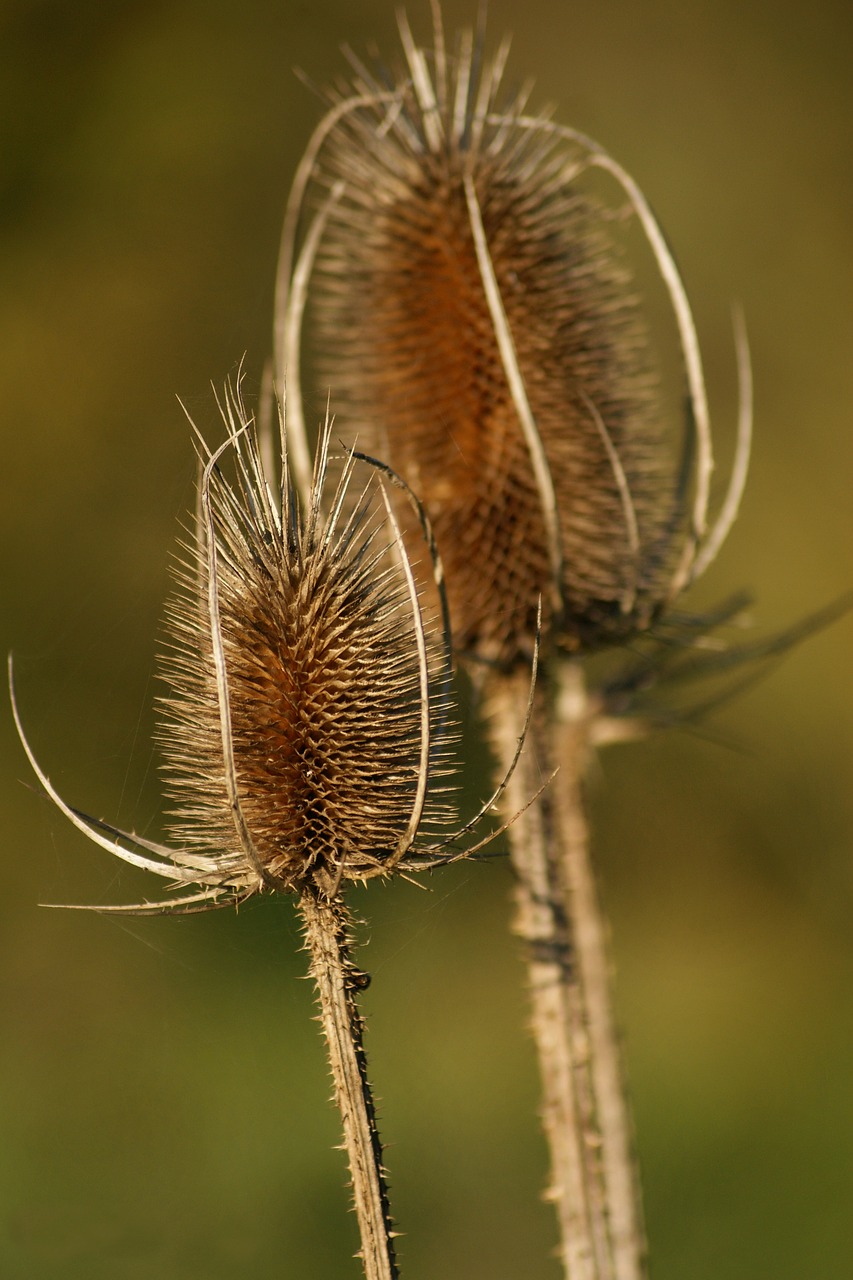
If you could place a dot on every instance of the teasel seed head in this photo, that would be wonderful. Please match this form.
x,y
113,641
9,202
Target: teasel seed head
x,y
323,648
307,727
480,329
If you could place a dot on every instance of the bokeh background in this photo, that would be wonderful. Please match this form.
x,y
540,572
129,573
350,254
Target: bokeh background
x,y
163,1094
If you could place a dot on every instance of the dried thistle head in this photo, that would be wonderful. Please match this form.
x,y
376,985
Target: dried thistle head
x,y
300,634
306,728
479,328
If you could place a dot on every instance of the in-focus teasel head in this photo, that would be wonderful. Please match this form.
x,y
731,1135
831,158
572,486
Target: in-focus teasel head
x,y
306,730
479,328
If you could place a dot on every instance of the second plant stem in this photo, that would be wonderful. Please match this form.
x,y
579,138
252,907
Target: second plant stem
x,y
594,1184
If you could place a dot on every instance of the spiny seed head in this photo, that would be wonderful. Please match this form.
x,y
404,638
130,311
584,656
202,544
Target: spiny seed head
x,y
479,329
315,632
306,728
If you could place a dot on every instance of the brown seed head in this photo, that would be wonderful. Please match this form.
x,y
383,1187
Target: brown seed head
x,y
525,417
306,729
315,640
479,328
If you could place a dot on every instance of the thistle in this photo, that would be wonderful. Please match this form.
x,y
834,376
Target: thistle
x,y
305,735
466,285
475,314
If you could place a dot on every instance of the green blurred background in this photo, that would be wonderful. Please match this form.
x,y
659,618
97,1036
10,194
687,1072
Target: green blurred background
x,y
164,1100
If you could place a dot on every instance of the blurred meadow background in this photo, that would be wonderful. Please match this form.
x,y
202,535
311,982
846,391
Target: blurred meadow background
x,y
163,1092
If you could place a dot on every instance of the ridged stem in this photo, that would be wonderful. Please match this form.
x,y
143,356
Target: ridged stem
x,y
327,933
594,1185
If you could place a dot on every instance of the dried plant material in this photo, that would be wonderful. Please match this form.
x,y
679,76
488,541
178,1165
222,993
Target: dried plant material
x,y
594,1181
478,324
310,633
327,940
301,736
305,735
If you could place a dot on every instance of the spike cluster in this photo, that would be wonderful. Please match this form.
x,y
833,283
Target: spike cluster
x,y
328,698
306,727
471,307
309,723
479,328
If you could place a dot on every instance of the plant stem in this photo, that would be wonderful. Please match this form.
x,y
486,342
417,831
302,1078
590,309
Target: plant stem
x,y
573,719
327,935
594,1185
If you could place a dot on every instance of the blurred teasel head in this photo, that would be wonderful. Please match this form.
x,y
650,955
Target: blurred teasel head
x,y
468,287
305,732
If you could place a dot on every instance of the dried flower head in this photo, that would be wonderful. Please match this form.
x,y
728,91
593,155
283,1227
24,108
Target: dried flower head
x,y
479,328
306,727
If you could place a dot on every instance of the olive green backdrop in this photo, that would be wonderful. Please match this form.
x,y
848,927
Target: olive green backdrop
x,y
163,1094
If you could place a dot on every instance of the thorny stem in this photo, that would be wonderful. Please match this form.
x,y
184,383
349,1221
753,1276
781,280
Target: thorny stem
x,y
571,728
594,1186
327,937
